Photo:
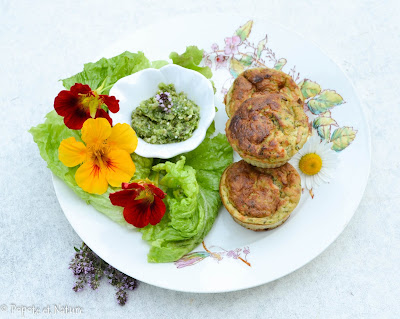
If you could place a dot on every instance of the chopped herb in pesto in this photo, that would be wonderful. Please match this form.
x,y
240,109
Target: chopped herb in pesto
x,y
168,117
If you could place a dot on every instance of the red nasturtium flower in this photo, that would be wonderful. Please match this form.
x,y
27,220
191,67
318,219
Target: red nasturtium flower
x,y
142,203
81,103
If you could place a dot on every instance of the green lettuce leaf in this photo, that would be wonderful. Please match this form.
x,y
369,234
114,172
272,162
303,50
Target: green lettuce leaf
x,y
193,200
158,64
48,137
188,218
108,71
192,183
191,59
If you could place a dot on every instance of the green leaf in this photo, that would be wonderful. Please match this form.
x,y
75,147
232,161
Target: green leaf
x,y
143,166
235,67
323,126
48,137
324,132
280,64
191,59
261,46
247,59
309,88
192,184
342,137
108,71
323,121
244,31
158,64
323,102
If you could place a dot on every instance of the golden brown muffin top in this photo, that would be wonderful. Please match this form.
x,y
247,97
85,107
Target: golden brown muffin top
x,y
268,127
257,81
261,192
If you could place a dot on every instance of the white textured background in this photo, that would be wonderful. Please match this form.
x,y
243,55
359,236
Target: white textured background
x,y
41,41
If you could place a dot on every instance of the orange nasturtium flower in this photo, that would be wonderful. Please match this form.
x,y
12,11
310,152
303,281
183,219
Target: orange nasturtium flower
x,y
106,156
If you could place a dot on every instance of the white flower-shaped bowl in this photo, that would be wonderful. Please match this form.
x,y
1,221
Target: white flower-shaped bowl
x,y
140,86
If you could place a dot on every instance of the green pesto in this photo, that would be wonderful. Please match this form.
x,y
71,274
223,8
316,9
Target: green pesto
x,y
156,126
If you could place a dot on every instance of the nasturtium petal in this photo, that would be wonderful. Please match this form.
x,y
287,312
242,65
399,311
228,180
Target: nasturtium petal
x,y
71,152
119,167
137,213
342,137
323,102
95,131
123,137
111,102
91,178
124,197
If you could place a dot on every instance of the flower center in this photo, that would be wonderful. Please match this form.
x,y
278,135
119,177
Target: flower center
x,y
146,194
99,153
91,101
310,164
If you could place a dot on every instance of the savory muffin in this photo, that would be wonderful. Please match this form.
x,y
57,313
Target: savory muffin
x,y
259,81
267,130
260,198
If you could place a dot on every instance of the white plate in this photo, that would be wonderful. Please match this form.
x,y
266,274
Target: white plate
x,y
314,224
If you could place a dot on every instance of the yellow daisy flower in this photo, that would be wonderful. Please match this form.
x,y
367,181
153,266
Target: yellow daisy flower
x,y
105,158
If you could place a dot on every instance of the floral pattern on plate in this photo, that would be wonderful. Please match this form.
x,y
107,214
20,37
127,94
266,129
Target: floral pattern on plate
x,y
239,54
197,256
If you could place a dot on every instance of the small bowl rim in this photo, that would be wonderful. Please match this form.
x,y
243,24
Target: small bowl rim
x,y
165,151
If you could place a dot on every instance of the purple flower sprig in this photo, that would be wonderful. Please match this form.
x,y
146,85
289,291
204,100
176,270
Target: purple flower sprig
x,y
164,101
90,269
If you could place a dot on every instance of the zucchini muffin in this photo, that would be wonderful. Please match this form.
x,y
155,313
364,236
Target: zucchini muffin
x,y
260,198
260,81
267,130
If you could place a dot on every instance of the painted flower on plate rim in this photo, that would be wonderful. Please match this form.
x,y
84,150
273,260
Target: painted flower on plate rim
x,y
231,45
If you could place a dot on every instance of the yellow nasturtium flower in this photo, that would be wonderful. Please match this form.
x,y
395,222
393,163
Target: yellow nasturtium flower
x,y
105,158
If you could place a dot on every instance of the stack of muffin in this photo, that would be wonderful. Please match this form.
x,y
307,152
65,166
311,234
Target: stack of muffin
x,y
266,127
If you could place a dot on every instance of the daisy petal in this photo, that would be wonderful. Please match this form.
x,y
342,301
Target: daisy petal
x,y
308,181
